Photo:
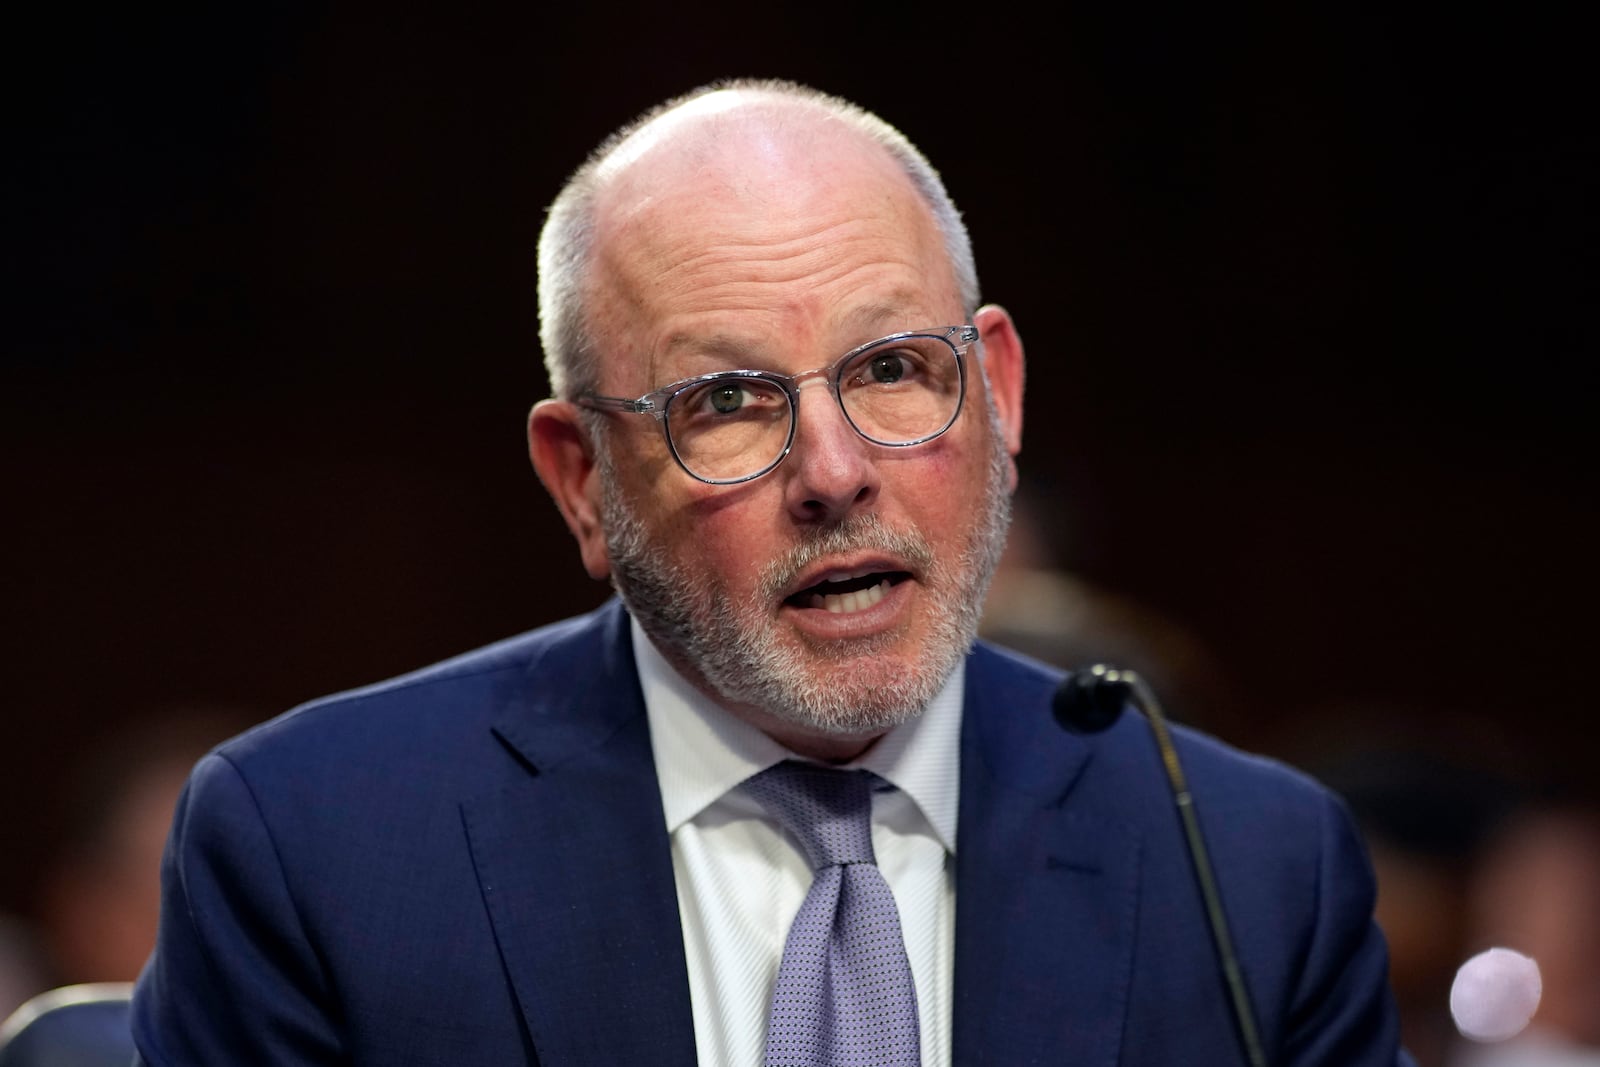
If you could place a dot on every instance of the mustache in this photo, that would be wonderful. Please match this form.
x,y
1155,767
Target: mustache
x,y
857,533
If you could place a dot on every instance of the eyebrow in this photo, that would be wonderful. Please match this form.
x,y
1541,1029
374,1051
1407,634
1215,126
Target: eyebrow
x,y
876,319
678,357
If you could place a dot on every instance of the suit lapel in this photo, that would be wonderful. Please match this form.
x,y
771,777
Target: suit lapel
x,y
581,823
1045,896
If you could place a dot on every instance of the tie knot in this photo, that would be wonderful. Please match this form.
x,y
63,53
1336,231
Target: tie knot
x,y
828,810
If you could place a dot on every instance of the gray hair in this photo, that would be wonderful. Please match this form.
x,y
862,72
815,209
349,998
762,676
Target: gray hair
x,y
566,243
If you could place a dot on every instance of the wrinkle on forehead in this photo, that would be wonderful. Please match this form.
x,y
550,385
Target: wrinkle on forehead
x,y
671,287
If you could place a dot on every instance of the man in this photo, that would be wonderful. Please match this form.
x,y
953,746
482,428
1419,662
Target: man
x,y
784,428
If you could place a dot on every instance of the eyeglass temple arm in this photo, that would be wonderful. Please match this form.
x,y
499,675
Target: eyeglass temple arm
x,y
617,403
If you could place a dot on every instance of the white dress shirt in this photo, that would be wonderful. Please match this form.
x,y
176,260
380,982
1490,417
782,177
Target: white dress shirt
x,y
740,880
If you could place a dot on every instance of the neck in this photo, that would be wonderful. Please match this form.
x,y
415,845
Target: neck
x,y
825,748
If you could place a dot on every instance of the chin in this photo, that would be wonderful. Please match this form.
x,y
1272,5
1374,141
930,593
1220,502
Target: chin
x,y
866,694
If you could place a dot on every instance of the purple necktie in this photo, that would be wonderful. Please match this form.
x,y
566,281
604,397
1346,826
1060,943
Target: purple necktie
x,y
844,995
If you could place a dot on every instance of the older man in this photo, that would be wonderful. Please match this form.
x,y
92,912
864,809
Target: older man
x,y
772,804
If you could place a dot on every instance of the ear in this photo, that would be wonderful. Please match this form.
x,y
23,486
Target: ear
x,y
1003,373
563,456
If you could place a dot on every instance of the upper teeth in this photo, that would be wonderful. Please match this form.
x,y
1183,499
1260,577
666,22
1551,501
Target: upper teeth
x,y
859,600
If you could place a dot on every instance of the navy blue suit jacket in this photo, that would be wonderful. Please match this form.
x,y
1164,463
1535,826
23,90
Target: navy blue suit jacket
x,y
470,865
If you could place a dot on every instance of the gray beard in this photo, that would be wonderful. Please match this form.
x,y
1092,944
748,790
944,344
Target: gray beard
x,y
697,626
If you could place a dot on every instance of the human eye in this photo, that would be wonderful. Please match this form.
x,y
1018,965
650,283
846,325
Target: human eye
x,y
726,398
886,368
902,364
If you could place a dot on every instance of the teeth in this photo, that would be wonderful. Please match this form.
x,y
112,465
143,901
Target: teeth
x,y
845,603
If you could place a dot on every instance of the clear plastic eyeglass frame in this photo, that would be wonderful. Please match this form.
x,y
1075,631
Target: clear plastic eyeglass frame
x,y
658,402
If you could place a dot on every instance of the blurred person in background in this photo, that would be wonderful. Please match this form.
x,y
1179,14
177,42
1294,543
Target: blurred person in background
x,y
22,972
98,892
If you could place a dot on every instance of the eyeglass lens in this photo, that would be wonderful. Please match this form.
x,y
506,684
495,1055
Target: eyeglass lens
x,y
900,391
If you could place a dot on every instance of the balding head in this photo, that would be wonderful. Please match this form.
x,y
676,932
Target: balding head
x,y
739,142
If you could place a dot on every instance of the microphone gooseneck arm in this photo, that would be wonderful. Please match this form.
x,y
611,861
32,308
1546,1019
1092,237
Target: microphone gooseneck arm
x,y
1081,704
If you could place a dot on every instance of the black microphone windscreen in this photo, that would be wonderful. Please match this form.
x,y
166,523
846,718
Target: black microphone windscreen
x,y
1089,701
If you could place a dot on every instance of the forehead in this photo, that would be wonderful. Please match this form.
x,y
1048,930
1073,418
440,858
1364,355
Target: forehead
x,y
745,223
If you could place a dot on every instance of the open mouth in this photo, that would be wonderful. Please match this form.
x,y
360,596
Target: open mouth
x,y
847,594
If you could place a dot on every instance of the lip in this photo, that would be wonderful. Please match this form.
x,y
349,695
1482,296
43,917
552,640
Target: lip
x,y
844,570
889,612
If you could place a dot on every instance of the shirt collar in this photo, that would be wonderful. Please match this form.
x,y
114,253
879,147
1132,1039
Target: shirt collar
x,y
702,750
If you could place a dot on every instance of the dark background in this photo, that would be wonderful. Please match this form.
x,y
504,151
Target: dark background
x,y
1308,302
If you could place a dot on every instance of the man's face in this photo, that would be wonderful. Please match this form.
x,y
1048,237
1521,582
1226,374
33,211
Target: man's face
x,y
831,597
847,685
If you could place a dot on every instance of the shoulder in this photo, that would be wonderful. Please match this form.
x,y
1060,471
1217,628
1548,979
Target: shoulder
x,y
1006,677
1015,694
431,711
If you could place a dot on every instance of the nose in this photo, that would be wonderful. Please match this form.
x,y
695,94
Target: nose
x,y
831,469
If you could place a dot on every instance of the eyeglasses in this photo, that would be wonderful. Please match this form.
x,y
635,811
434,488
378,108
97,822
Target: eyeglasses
x,y
734,426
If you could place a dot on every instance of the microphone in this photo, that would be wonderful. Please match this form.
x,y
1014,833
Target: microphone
x,y
1088,702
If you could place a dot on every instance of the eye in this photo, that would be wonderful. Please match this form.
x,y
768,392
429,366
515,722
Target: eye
x,y
887,368
905,364
731,398
726,398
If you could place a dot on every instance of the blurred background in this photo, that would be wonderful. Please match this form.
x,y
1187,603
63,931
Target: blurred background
x,y
1307,298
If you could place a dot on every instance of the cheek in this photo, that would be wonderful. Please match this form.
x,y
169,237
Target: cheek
x,y
642,454
727,536
940,486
